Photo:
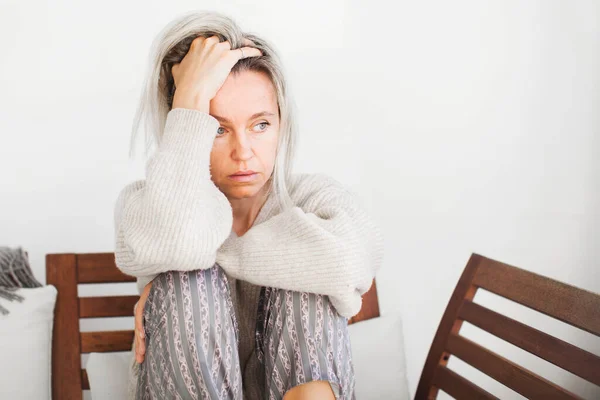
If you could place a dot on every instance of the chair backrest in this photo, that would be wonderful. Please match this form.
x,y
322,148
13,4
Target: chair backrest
x,y
65,272
574,306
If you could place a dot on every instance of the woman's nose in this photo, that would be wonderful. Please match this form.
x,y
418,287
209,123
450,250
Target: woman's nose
x,y
242,148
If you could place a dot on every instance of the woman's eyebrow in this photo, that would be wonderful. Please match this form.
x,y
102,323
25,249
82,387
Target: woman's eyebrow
x,y
256,115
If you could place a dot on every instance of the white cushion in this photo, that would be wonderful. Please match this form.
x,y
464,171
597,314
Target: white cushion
x,y
378,357
377,354
108,375
26,344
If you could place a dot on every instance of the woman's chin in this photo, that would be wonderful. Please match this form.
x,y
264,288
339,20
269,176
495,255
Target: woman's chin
x,y
242,191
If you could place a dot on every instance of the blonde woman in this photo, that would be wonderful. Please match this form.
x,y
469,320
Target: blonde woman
x,y
247,272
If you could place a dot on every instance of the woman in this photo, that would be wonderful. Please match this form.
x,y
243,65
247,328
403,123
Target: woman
x,y
247,273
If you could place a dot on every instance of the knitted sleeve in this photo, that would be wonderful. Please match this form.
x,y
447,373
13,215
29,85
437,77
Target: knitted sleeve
x,y
326,244
176,218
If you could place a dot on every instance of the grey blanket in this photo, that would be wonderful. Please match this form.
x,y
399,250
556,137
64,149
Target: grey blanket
x,y
15,273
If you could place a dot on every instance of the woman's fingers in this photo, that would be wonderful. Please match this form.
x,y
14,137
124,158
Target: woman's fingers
x,y
139,324
142,350
137,353
250,49
140,342
248,52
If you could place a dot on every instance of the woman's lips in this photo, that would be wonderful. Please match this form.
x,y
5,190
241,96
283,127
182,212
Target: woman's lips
x,y
244,178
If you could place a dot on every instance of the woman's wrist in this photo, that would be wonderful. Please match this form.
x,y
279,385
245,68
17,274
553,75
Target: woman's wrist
x,y
193,102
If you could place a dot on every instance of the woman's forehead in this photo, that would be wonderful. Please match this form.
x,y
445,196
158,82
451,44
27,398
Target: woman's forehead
x,y
243,95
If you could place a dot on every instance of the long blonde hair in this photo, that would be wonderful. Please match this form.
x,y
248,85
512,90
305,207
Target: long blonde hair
x,y
172,44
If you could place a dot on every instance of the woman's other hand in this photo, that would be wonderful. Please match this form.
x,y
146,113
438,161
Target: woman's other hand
x,y
139,333
203,70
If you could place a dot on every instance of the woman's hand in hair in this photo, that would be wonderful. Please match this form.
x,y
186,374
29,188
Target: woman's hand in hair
x,y
203,70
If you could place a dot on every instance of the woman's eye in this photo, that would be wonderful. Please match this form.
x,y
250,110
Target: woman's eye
x,y
220,133
263,123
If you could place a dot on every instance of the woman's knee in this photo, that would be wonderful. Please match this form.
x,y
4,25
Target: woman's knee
x,y
303,339
191,329
313,312
189,297
311,320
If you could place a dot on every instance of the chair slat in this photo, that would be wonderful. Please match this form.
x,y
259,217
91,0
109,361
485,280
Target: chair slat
x,y
109,306
106,341
567,303
99,268
504,371
457,386
85,382
562,354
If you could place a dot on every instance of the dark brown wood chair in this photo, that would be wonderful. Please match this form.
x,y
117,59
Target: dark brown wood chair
x,y
574,306
65,271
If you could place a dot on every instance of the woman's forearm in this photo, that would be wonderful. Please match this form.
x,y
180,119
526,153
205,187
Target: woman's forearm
x,y
176,218
328,244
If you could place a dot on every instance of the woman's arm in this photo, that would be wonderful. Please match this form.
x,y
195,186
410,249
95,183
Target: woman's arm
x,y
176,218
326,244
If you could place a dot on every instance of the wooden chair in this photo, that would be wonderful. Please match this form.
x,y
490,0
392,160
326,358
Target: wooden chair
x,y
65,271
566,303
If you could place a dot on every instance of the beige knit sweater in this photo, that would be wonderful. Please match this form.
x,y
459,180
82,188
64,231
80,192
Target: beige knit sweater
x,y
178,219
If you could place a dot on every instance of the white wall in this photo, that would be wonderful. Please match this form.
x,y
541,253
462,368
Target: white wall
x,y
485,138
466,126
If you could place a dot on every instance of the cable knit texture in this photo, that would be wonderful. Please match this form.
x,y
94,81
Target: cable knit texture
x,y
177,219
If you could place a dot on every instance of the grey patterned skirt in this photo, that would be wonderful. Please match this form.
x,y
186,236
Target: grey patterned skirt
x,y
192,339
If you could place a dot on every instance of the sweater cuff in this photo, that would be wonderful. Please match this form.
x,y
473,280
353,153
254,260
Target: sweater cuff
x,y
348,305
142,281
189,130
228,255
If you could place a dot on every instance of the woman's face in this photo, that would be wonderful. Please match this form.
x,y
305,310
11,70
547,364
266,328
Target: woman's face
x,y
245,140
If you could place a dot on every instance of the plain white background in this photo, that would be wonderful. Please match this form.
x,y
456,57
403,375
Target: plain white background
x,y
465,126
